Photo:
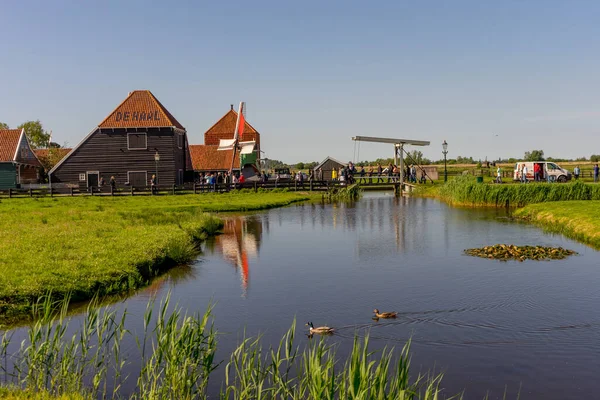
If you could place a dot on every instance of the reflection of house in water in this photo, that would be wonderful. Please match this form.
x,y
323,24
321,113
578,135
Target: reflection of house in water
x,y
239,241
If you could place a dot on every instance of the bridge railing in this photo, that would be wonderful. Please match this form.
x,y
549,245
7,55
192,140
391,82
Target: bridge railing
x,y
197,188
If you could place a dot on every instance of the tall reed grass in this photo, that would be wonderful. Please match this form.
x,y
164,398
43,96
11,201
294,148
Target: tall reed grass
x,y
348,193
464,190
177,353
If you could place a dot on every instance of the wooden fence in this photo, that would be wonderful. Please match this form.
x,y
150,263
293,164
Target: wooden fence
x,y
189,188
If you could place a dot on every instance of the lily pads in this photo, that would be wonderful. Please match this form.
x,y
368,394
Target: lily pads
x,y
505,252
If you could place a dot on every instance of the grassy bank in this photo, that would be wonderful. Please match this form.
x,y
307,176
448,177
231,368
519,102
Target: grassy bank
x,y
175,359
466,191
579,220
87,245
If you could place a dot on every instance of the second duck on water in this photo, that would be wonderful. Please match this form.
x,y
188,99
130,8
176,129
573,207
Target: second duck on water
x,y
320,329
392,314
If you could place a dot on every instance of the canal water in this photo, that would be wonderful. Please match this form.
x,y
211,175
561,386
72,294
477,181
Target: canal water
x,y
531,328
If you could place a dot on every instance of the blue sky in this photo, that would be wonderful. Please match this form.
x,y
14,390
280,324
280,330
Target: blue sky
x,y
315,73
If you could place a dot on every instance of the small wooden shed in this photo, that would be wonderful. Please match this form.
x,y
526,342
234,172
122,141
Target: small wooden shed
x,y
327,166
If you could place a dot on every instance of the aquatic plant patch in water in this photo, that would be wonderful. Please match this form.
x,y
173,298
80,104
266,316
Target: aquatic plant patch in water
x,y
505,252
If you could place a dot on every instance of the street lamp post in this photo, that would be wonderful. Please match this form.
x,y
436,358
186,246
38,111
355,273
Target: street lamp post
x,y
445,151
156,160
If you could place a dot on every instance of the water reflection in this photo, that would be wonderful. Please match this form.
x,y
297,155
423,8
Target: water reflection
x,y
239,242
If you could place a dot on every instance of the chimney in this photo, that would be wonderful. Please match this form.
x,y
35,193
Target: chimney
x,y
231,107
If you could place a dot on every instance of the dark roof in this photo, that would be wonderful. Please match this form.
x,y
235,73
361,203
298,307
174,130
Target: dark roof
x,y
329,159
208,158
140,109
9,141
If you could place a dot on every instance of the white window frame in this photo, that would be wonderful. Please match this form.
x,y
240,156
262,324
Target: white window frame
x,y
84,176
87,181
137,148
129,179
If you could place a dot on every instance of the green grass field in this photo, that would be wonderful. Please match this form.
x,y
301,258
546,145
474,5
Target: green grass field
x,y
87,245
579,220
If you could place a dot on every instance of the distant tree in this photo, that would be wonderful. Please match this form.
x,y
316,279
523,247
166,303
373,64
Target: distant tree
x,y
595,158
36,134
300,165
52,157
581,159
534,155
4,125
276,164
464,160
415,156
384,161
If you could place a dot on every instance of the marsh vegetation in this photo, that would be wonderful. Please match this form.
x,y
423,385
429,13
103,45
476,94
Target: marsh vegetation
x,y
175,359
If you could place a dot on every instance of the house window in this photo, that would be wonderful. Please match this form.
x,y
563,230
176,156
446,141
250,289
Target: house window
x,y
82,177
180,141
137,178
24,153
137,141
180,177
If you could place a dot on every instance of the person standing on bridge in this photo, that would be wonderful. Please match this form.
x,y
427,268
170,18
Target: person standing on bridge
x,y
362,174
379,171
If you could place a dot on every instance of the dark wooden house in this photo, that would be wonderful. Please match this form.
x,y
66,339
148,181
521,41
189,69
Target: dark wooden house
x,y
138,139
327,166
18,164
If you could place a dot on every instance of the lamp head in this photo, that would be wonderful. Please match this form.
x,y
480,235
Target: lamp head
x,y
445,146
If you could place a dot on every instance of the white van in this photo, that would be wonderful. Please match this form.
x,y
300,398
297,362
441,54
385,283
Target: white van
x,y
548,171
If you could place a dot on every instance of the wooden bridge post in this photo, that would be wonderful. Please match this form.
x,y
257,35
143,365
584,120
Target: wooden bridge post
x,y
10,193
194,187
72,192
30,192
173,190
255,186
132,190
112,191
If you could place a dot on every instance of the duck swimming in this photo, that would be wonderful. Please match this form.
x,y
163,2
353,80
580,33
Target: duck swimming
x,y
392,314
320,329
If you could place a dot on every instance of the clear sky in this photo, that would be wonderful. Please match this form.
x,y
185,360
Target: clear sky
x,y
315,73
